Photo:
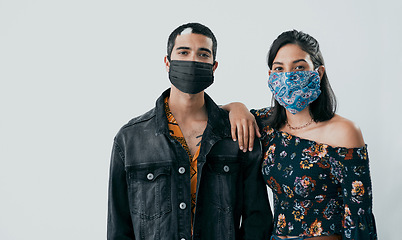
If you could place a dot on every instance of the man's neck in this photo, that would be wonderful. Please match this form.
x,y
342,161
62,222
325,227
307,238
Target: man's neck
x,y
187,107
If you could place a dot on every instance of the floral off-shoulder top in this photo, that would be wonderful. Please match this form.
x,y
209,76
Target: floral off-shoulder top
x,y
318,189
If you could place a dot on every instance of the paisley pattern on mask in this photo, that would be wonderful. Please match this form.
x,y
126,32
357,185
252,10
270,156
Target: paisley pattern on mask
x,y
295,90
318,189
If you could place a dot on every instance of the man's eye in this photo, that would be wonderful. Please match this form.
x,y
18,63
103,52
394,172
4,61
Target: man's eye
x,y
204,55
183,53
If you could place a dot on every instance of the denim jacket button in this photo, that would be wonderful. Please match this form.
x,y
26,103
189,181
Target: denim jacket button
x,y
150,176
226,168
182,206
182,170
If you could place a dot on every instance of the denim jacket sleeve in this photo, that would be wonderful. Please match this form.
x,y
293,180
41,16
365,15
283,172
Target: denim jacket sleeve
x,y
119,225
257,220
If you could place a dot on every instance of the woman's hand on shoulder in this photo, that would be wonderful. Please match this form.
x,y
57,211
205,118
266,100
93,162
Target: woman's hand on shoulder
x,y
346,133
244,127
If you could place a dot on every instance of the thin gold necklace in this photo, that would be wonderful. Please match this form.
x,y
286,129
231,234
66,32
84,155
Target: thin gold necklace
x,y
299,127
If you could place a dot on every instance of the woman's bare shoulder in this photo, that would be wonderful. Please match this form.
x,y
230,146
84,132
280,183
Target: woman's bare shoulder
x,y
344,132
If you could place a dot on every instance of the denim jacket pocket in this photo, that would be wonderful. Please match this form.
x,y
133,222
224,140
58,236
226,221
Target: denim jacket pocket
x,y
223,179
223,182
149,190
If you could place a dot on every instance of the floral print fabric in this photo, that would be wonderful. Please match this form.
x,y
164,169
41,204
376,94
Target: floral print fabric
x,y
318,189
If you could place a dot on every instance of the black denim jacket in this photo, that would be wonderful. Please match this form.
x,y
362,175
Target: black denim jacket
x,y
149,185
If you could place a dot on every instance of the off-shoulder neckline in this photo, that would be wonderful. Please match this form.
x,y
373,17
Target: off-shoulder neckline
x,y
317,143
268,109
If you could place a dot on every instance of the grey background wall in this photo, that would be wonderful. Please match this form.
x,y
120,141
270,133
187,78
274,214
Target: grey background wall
x,y
73,72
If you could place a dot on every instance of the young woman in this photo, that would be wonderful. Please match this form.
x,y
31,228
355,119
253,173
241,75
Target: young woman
x,y
315,161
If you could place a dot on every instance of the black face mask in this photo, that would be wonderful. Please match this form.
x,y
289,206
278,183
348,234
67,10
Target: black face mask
x,y
191,77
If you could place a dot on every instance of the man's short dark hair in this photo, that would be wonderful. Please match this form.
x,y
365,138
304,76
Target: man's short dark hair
x,y
197,28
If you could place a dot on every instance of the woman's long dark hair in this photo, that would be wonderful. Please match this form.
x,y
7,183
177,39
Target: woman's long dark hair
x,y
324,107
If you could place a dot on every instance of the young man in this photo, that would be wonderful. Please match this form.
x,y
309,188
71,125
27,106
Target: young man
x,y
175,171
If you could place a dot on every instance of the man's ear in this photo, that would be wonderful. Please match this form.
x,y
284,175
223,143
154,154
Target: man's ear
x,y
215,66
321,71
167,63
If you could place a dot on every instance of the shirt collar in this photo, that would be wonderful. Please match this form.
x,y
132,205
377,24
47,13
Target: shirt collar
x,y
218,121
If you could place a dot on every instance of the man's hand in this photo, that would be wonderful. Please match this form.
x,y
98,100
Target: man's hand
x,y
244,128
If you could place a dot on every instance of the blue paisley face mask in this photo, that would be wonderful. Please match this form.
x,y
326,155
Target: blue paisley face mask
x,y
295,90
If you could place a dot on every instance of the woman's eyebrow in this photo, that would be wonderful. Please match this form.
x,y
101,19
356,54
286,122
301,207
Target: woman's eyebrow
x,y
300,60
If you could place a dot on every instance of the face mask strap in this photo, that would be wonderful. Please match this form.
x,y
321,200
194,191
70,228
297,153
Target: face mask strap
x,y
316,69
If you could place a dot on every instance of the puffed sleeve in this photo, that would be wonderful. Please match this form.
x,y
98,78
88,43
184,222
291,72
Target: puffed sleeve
x,y
261,116
351,169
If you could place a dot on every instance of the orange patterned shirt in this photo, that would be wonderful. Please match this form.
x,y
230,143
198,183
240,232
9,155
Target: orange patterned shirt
x,y
176,133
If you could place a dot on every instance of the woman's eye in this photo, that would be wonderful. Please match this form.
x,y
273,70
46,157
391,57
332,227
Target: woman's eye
x,y
278,69
299,68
